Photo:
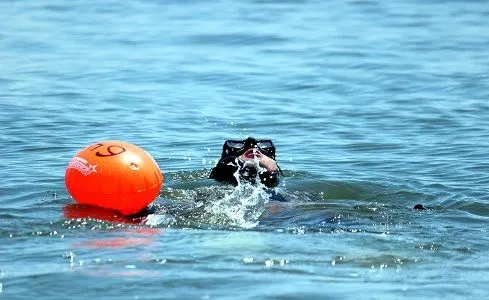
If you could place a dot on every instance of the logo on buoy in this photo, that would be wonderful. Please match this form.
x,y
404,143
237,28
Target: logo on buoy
x,y
82,165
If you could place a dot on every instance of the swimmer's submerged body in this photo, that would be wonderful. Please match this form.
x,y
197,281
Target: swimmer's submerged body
x,y
249,160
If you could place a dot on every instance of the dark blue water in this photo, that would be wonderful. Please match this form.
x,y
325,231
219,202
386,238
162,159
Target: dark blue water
x,y
374,106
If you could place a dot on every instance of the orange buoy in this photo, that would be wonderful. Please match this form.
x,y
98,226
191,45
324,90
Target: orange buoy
x,y
114,175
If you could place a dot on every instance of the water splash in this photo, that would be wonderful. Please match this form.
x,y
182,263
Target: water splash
x,y
242,207
159,220
196,204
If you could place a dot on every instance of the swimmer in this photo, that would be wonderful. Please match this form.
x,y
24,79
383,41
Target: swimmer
x,y
248,160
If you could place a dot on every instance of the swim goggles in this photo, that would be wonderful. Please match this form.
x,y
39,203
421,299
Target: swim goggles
x,y
236,148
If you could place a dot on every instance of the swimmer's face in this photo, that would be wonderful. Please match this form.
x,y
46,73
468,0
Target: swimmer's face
x,y
255,155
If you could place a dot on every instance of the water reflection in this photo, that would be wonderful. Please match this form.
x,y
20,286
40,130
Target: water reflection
x,y
132,236
79,211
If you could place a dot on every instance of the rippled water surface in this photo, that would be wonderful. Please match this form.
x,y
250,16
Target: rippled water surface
x,y
374,106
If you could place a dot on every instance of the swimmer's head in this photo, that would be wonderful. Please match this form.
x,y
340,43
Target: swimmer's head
x,y
253,159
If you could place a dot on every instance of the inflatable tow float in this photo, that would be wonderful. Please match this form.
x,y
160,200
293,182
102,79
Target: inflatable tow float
x,y
114,175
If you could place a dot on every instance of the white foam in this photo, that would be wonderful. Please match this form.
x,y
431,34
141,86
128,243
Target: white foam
x,y
158,220
243,206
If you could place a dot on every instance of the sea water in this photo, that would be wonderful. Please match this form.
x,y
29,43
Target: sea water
x,y
374,107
